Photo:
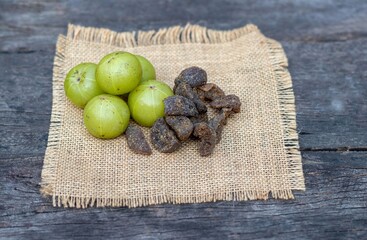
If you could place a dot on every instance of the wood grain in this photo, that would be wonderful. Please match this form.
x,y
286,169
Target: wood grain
x,y
325,42
333,207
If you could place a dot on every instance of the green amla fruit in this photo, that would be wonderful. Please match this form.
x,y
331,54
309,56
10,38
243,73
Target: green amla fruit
x,y
80,84
106,116
147,68
118,73
146,102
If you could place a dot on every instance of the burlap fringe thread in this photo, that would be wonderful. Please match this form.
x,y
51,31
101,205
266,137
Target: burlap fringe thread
x,y
173,35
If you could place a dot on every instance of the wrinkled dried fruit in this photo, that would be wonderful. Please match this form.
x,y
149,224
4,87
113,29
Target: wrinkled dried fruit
x,y
207,137
230,101
194,76
200,93
217,123
182,126
227,112
163,138
179,106
136,140
211,91
202,117
185,90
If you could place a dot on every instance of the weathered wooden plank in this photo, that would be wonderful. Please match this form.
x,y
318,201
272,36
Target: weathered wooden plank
x,y
25,103
330,87
333,207
34,25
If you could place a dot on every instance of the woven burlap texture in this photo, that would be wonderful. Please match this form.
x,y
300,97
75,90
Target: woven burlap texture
x,y
258,155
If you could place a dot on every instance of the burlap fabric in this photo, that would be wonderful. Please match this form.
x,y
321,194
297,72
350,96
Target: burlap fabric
x,y
257,156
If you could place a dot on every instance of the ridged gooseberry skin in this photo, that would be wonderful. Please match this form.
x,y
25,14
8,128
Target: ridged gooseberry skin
x,y
118,73
106,116
148,71
80,84
146,102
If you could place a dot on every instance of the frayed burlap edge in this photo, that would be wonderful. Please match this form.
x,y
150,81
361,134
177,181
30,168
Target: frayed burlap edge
x,y
50,161
173,35
287,108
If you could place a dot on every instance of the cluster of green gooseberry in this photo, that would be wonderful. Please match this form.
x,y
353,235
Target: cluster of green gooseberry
x,y
101,89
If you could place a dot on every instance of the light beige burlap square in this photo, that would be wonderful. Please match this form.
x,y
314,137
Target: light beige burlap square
x,y
257,157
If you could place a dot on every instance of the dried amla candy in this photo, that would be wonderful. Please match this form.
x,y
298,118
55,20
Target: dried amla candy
x,y
230,101
207,138
217,123
182,126
136,140
163,138
202,117
179,106
211,91
185,90
194,76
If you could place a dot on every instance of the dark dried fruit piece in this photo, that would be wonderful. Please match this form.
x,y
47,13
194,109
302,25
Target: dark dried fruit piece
x,y
136,140
227,112
179,106
200,93
202,117
182,126
207,137
211,91
217,123
230,101
163,138
185,90
194,76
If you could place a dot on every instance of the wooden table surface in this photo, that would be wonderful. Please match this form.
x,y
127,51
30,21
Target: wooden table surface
x,y
326,43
